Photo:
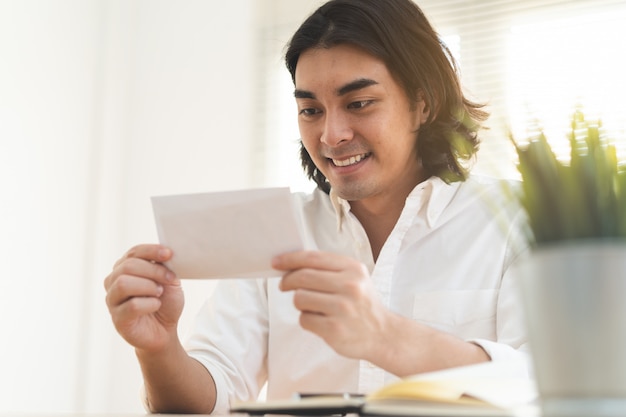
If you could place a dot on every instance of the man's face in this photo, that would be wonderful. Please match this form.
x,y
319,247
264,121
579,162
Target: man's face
x,y
357,123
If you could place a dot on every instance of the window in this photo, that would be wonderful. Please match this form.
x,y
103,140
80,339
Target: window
x,y
577,64
536,59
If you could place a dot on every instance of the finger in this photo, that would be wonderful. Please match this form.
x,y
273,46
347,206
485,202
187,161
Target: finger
x,y
311,279
134,308
127,287
311,259
148,252
316,302
318,323
140,268
146,269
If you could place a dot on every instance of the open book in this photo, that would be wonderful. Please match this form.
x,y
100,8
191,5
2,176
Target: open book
x,y
478,390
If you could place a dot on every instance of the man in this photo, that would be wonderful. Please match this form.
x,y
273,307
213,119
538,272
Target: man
x,y
410,271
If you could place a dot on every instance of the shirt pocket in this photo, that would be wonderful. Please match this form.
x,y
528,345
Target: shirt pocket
x,y
468,314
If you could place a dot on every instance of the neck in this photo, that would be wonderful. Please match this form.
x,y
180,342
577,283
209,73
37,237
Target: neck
x,y
378,218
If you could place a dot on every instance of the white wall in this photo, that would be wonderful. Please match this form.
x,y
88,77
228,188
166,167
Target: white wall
x,y
47,99
104,103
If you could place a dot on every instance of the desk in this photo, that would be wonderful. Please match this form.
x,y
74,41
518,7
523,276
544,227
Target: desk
x,y
26,414
57,414
526,412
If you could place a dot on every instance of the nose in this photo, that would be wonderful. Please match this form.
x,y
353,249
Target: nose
x,y
337,128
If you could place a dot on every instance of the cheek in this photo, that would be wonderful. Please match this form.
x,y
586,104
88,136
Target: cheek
x,y
310,135
312,144
307,131
308,141
375,129
400,146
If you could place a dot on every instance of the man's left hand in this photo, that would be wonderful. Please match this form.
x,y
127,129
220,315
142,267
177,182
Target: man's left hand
x,y
336,299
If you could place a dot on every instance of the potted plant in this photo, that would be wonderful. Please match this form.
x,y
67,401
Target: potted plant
x,y
573,282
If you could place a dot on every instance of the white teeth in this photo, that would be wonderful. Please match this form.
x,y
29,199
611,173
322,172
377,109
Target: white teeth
x,y
350,161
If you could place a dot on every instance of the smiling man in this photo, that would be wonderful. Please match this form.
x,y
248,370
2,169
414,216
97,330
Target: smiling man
x,y
410,271
360,128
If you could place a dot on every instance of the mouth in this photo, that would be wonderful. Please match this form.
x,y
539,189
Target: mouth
x,y
349,161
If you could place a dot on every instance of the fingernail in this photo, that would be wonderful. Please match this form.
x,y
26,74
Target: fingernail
x,y
159,290
169,275
164,253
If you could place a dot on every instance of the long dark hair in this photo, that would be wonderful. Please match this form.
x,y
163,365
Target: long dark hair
x,y
398,33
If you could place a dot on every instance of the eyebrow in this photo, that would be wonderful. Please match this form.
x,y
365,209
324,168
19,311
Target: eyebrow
x,y
343,90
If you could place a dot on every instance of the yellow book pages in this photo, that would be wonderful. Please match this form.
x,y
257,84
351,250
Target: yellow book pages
x,y
445,391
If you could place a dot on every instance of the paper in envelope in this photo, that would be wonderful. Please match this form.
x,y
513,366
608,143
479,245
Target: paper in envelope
x,y
230,234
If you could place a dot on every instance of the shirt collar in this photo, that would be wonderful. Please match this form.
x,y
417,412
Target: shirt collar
x,y
341,206
434,195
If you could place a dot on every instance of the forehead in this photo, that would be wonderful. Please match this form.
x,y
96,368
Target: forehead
x,y
335,66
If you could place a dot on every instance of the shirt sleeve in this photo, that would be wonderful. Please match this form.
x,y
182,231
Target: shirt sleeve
x,y
229,339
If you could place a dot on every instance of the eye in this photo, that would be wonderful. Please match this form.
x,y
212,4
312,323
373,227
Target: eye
x,y
360,104
309,111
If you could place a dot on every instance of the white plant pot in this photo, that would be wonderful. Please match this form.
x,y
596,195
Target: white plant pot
x,y
574,296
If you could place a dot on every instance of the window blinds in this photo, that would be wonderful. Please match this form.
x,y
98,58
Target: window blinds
x,y
536,59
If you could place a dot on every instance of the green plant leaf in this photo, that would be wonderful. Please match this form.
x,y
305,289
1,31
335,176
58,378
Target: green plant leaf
x,y
584,198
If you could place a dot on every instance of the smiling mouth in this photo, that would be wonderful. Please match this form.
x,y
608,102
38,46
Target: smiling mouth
x,y
349,161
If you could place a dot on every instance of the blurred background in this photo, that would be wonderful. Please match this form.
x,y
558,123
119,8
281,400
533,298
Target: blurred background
x,y
105,103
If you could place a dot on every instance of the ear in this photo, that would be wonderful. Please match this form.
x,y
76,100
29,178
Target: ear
x,y
422,109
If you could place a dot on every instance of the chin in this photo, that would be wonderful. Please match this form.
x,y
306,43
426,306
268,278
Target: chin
x,y
352,192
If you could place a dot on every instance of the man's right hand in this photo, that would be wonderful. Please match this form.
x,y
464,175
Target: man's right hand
x,y
145,298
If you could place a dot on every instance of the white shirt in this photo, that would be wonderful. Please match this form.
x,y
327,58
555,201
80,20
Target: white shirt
x,y
443,265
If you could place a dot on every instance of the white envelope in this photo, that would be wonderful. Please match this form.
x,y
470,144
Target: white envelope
x,y
231,234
